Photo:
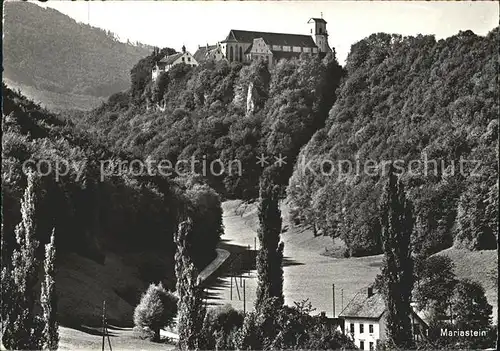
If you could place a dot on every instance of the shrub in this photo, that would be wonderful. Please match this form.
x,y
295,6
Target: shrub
x,y
287,328
143,333
157,309
219,324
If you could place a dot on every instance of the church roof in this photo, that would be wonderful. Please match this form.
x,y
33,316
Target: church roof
x,y
249,49
271,38
362,306
171,58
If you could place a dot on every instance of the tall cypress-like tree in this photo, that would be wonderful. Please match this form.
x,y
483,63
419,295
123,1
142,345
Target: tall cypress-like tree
x,y
191,311
270,254
397,226
48,298
22,329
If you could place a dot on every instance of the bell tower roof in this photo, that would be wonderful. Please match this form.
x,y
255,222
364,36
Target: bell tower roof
x,y
315,19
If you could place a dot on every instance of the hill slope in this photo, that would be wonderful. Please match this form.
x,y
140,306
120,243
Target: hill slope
x,y
220,111
425,105
50,52
114,234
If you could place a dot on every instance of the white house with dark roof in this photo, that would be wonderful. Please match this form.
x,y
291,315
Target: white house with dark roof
x,y
365,320
169,61
209,52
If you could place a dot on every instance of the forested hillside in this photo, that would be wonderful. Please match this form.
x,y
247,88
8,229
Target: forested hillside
x,y
409,98
399,98
50,51
95,213
231,112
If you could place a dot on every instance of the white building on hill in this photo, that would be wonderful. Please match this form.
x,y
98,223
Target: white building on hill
x,y
246,46
169,61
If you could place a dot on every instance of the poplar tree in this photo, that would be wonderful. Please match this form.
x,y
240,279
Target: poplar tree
x,y
22,328
397,226
270,255
48,298
191,311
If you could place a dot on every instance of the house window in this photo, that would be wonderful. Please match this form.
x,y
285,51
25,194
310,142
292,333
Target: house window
x,y
183,59
352,328
361,328
189,59
370,328
361,345
371,346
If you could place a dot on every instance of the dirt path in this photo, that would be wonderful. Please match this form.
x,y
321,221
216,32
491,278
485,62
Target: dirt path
x,y
307,274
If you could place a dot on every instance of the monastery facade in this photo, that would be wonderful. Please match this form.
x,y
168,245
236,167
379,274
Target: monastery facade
x,y
246,46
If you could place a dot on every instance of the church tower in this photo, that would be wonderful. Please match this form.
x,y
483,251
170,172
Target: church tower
x,y
318,29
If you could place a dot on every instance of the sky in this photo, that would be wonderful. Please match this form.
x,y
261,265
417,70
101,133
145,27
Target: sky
x,y
192,23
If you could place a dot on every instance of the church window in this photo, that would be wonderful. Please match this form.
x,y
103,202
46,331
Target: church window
x,y
241,53
231,54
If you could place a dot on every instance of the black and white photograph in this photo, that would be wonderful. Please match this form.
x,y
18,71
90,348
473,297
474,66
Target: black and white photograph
x,y
250,175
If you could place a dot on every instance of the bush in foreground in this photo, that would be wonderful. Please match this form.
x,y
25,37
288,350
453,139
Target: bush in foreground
x,y
157,309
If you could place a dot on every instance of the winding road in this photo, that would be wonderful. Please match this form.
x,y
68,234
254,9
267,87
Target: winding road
x,y
307,273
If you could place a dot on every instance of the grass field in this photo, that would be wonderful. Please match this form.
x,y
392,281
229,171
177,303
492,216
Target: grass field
x,y
83,285
479,266
120,338
309,273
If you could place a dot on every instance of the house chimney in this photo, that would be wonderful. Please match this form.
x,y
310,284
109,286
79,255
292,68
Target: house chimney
x,y
370,291
183,49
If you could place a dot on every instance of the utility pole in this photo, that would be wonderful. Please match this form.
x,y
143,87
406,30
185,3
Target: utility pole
x,y
237,289
103,323
244,298
333,299
231,290
342,299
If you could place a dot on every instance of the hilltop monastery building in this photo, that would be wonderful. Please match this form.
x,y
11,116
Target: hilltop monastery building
x,y
246,46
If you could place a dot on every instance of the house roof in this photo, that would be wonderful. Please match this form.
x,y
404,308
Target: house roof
x,y
204,52
271,38
362,306
201,53
171,58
